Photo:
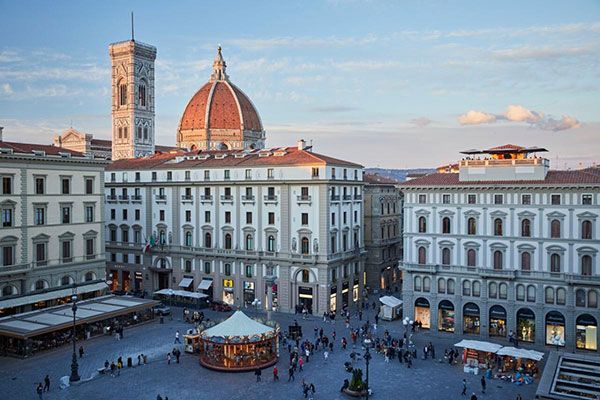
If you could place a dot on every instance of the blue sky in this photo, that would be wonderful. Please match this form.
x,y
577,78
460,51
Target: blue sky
x,y
385,83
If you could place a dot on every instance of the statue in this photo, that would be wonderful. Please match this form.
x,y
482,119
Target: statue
x,y
315,246
294,245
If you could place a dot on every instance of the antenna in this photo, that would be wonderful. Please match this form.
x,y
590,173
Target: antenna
x,y
132,36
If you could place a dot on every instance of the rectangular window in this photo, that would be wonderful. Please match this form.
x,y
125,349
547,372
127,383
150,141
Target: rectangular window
x,y
40,185
8,255
315,172
248,217
227,217
89,186
207,175
66,251
137,176
271,218
227,174
40,254
304,192
586,199
90,251
161,214
446,199
526,199
227,192
188,216
422,198
66,215
332,173
188,175
7,185
471,199
137,214
125,214
89,213
113,213
355,216
248,174
7,217
344,217
270,174
169,175
207,267
332,218
498,199
154,175
555,199
66,185
207,216
304,218
271,192
249,271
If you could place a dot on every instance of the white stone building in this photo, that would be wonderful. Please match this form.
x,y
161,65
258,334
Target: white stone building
x,y
52,232
505,244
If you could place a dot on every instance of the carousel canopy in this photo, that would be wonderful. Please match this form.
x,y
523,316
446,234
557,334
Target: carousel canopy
x,y
478,345
520,353
239,324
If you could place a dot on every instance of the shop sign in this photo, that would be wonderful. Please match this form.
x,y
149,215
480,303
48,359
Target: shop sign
x,y
446,305
586,320
421,302
526,314
248,285
471,309
227,283
498,312
555,318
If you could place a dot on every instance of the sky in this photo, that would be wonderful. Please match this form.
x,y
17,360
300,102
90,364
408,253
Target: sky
x,y
392,84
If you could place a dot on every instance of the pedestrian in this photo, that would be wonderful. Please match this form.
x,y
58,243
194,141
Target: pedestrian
x,y
275,374
483,383
473,397
519,397
39,390
326,355
168,358
307,353
291,373
258,374
119,366
47,384
139,359
159,397
425,353
177,338
80,351
300,364
464,388
113,368
360,315
432,350
177,355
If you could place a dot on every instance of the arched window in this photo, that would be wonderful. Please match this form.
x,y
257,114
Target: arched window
x,y
549,291
476,288
586,229
497,259
228,243
526,261
65,280
441,285
426,284
446,225
142,94
122,93
249,242
422,225
188,238
503,290
493,290
417,284
305,276
422,255
525,228
555,262
561,296
9,290
305,245
531,293
586,265
451,286
445,256
41,284
592,299
162,236
520,293
580,298
466,288
555,228
498,227
207,240
471,258
472,226
271,243
89,276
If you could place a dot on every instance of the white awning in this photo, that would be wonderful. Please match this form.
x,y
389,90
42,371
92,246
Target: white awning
x,y
520,353
205,284
181,293
186,282
478,345
54,294
390,301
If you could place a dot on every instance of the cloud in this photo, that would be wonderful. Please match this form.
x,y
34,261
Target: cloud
x,y
517,113
332,109
420,122
7,89
542,53
289,41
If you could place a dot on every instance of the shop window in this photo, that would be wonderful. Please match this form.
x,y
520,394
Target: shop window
x,y
555,329
586,332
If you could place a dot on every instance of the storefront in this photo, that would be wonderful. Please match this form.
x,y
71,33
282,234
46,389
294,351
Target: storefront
x,y
471,320
526,325
206,286
305,298
249,293
345,291
126,281
497,321
355,292
587,332
228,291
555,329
423,312
113,280
333,298
446,316
139,282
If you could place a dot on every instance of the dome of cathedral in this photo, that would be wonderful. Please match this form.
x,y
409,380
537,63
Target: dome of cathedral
x,y
219,113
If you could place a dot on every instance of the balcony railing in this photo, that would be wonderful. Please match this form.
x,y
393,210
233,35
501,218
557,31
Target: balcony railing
x,y
304,198
248,198
347,197
358,197
124,198
207,198
111,197
187,198
335,197
270,198
136,198
227,198
161,197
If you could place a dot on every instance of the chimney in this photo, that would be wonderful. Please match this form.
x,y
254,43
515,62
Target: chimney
x,y
1,129
301,144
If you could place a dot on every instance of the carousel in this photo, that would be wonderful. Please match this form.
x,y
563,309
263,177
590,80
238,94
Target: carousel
x,y
239,344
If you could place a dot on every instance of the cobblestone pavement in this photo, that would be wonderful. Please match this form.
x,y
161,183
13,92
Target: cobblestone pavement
x,y
427,380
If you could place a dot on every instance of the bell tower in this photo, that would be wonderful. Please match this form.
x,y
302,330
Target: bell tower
x,y
133,133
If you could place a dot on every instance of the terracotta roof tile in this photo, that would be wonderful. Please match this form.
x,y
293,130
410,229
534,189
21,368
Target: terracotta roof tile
x,y
379,179
28,148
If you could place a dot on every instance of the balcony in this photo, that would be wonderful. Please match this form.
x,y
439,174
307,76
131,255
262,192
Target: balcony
x,y
123,198
187,198
270,199
111,198
358,197
304,199
207,198
347,197
136,198
226,198
248,199
335,197
161,198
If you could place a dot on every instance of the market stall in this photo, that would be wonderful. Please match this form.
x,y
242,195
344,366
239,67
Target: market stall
x,y
477,354
391,308
239,344
182,298
520,360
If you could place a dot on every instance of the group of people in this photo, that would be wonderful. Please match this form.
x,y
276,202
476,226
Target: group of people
x,y
41,389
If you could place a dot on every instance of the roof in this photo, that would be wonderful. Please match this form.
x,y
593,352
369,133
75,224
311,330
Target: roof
x,y
390,301
279,156
554,177
378,179
239,324
101,142
479,345
29,148
506,148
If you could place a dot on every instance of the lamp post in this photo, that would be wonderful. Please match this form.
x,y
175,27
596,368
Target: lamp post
x,y
367,356
74,366
171,296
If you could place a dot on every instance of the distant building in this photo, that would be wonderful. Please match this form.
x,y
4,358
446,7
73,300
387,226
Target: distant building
x,y
52,233
505,244
383,232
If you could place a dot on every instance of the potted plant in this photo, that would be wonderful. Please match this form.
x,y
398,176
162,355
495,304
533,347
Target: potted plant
x,y
356,387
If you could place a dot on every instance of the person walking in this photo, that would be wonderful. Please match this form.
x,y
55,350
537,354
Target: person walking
x,y
300,364
258,374
326,355
483,384
519,397
46,387
80,351
464,388
168,358
473,397
40,390
275,374
119,366
291,374
177,338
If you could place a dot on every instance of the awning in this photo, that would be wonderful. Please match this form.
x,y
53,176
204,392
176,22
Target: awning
x,y
186,282
478,345
52,295
238,325
181,293
520,353
205,284
390,301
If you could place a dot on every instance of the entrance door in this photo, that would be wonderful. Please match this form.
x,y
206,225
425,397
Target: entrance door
x,y
305,298
163,280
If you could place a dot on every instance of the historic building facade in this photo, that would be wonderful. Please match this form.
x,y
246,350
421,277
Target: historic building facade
x,y
84,143
52,232
235,224
383,233
503,245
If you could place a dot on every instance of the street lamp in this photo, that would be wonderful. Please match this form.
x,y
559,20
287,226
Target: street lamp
x,y
367,356
74,366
